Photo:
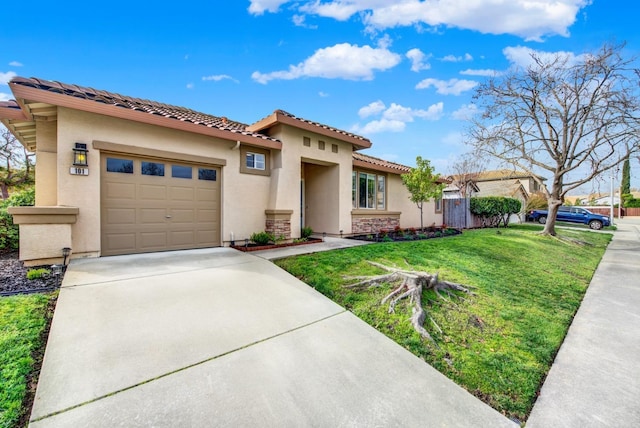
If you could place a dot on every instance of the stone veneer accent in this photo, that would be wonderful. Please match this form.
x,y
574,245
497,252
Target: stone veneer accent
x,y
363,221
278,222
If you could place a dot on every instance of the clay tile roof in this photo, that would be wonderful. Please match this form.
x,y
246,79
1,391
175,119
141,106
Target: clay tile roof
x,y
320,125
138,104
9,104
377,162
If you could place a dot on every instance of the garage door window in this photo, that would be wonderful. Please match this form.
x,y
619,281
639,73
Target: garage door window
x,y
124,166
179,171
207,174
153,168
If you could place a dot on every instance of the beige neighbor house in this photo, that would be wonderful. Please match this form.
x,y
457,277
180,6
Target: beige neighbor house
x,y
502,182
121,175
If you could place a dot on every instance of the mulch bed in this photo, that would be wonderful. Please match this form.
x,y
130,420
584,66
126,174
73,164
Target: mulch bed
x,y
255,247
13,277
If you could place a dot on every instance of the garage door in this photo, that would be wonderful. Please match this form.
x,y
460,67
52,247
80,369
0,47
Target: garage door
x,y
156,205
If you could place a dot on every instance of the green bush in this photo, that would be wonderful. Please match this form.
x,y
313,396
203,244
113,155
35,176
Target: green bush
x,y
495,209
37,273
306,232
262,238
9,237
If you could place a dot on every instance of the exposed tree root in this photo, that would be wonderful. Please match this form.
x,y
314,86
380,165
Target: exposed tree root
x,y
411,284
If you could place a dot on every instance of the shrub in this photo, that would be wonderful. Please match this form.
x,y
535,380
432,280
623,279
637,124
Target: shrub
x,y
495,209
306,232
38,273
262,238
9,237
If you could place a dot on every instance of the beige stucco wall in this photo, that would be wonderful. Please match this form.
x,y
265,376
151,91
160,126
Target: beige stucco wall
x,y
244,196
398,200
332,208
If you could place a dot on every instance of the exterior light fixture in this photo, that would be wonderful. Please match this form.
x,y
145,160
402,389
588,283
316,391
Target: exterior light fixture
x,y
80,155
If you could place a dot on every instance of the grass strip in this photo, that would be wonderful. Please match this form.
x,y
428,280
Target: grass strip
x,y
23,319
498,344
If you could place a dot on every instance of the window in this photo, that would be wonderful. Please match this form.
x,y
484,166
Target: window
x,y
334,148
354,189
124,166
438,204
153,168
306,141
368,191
321,145
381,192
255,161
207,174
178,171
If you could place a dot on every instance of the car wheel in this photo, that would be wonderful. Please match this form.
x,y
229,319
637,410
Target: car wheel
x,y
595,224
542,220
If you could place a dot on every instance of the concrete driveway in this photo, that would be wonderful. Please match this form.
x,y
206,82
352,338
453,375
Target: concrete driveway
x,y
221,338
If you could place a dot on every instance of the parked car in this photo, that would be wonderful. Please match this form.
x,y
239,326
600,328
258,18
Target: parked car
x,y
572,215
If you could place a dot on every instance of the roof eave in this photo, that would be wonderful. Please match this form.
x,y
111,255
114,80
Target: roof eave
x,y
278,117
22,92
374,167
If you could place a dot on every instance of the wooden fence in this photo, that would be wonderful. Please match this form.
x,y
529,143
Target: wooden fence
x,y
458,214
626,212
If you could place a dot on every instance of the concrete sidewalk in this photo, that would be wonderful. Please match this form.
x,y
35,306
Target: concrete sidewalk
x,y
221,338
595,378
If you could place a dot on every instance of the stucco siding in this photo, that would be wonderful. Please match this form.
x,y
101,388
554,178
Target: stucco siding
x,y
398,200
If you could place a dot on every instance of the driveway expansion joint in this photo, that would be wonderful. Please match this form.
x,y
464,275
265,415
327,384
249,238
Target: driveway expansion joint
x,y
249,345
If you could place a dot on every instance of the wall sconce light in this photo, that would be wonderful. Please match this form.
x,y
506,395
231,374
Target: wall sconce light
x,y
80,155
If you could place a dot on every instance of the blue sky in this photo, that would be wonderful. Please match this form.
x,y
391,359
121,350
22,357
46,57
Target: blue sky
x,y
400,72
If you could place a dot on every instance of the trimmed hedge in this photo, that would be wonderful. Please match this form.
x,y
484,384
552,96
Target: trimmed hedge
x,y
495,210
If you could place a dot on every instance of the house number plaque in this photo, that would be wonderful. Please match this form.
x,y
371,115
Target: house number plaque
x,y
74,170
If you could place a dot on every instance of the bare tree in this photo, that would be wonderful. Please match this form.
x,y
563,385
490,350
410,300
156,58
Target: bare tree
x,y
16,164
574,118
465,171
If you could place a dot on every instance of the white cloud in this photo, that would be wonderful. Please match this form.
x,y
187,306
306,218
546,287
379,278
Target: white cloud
x,y
485,72
372,109
448,87
190,85
342,61
453,58
300,21
521,56
529,19
218,77
382,125
6,77
465,112
323,94
395,117
15,64
418,58
5,97
258,7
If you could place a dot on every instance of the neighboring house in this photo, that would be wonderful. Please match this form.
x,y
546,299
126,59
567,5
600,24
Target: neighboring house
x,y
508,183
453,191
121,175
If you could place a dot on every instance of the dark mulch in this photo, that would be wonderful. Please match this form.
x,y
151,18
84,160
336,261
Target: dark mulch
x,y
13,277
255,247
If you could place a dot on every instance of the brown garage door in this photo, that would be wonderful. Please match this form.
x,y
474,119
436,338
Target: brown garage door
x,y
156,205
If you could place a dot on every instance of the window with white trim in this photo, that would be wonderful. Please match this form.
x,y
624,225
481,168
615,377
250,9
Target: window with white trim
x,y
255,161
368,191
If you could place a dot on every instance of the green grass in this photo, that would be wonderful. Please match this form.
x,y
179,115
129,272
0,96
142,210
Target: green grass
x,y
22,322
498,344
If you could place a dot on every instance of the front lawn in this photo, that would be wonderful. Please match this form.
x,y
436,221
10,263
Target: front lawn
x,y
23,320
500,342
